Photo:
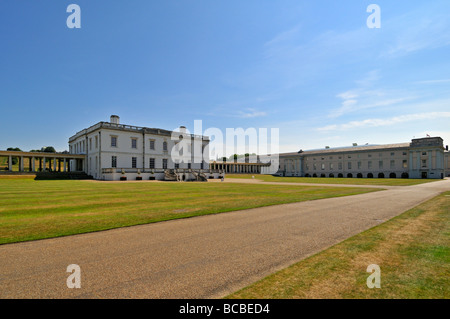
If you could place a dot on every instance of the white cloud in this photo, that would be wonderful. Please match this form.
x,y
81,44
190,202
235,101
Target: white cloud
x,y
250,113
385,122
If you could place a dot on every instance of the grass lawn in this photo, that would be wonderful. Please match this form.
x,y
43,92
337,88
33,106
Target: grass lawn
x,y
32,209
327,180
412,250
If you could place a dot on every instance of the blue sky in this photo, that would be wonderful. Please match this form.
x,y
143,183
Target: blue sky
x,y
313,69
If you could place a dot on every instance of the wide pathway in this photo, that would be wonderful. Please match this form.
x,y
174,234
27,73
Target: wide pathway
x,y
201,257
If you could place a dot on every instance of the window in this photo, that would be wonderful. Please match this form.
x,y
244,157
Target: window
x,y
133,162
349,165
113,141
359,165
90,144
96,142
164,162
392,164
392,154
189,165
404,153
405,164
380,164
323,166
152,144
331,166
339,165
134,143
165,146
370,155
96,162
152,163
315,166
380,154
424,163
369,164
307,167
177,166
114,161
424,153
349,156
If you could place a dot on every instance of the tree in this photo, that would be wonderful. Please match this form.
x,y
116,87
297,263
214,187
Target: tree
x,y
15,149
49,149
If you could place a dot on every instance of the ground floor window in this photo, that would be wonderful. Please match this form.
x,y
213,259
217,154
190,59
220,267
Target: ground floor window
x,y
133,162
164,163
152,163
114,161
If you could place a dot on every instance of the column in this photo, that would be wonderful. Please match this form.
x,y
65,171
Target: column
x,y
44,162
33,164
21,166
10,163
54,164
65,165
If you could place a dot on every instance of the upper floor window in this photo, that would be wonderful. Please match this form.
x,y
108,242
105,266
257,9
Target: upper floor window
x,y
113,141
424,163
165,146
152,144
96,142
90,144
392,163
134,143
392,154
424,153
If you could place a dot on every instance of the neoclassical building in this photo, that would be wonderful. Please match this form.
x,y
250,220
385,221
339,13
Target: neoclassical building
x,y
113,150
421,158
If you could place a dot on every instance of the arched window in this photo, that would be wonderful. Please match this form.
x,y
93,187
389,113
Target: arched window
x,y
405,175
322,175
370,175
380,175
392,175
331,175
340,175
314,175
359,175
350,175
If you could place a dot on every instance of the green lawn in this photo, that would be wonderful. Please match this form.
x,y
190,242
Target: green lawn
x,y
32,209
412,250
327,180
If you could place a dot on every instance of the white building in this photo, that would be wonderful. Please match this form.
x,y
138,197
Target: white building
x,y
114,151
422,158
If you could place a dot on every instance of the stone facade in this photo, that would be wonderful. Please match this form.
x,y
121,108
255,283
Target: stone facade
x,y
422,158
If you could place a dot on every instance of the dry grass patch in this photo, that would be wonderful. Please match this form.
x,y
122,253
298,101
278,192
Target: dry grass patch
x,y
32,210
412,251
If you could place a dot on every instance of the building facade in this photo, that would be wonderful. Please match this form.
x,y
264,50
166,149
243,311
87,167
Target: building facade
x,y
421,158
115,150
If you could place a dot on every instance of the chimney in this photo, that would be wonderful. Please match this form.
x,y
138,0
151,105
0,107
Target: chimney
x,y
114,119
